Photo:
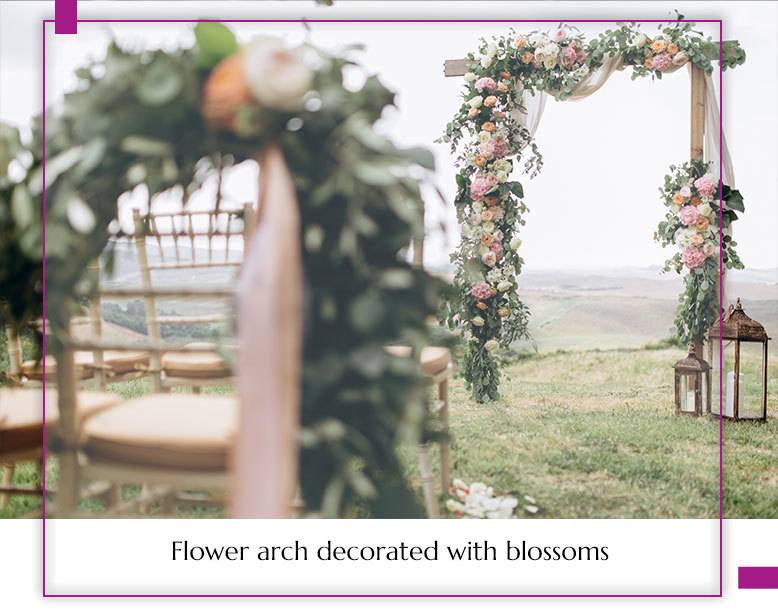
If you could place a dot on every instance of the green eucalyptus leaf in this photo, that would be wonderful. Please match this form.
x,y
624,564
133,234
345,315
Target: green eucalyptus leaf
x,y
214,42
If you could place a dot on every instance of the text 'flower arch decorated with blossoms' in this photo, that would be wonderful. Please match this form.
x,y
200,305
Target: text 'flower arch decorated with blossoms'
x,y
490,138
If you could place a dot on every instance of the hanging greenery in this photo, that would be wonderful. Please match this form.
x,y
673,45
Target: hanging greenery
x,y
164,122
490,141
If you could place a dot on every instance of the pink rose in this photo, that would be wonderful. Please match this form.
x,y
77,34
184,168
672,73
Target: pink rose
x,y
708,249
485,83
693,257
662,61
496,248
499,146
559,35
569,57
688,215
483,185
489,259
580,56
498,235
706,185
481,290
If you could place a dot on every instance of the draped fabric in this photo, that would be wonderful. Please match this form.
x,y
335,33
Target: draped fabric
x,y
535,105
270,351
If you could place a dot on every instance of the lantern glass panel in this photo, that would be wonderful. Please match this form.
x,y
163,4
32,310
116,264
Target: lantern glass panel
x,y
751,380
689,393
727,383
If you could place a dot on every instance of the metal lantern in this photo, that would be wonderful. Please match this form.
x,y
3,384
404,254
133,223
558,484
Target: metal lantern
x,y
741,368
692,385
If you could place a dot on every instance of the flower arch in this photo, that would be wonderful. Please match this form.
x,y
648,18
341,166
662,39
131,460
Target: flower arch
x,y
492,135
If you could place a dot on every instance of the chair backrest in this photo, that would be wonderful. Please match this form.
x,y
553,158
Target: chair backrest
x,y
181,239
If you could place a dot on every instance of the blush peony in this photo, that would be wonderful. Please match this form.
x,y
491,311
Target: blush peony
x,y
485,83
483,185
706,185
662,61
693,257
688,215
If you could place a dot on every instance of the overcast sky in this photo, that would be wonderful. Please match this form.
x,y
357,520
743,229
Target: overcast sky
x,y
595,205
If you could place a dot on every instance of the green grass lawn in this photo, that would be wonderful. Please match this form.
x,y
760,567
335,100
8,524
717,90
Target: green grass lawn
x,y
591,434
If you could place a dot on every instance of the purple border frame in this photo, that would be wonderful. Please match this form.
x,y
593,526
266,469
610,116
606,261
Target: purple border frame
x,y
720,594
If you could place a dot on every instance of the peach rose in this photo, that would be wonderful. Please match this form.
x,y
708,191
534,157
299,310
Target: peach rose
x,y
487,215
695,201
527,57
487,239
502,87
649,63
472,112
225,91
520,42
488,127
697,239
658,46
500,115
678,199
702,223
480,306
479,160
672,49
505,74
490,101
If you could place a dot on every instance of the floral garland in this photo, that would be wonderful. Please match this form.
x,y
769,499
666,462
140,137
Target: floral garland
x,y
165,121
488,139
691,224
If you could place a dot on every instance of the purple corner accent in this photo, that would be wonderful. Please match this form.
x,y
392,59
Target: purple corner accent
x,y
65,16
757,577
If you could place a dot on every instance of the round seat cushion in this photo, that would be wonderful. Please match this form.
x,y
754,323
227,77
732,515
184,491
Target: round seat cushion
x,y
204,362
84,361
433,359
21,414
182,431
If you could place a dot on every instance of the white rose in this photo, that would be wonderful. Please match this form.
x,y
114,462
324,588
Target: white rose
x,y
491,345
640,40
488,226
503,286
484,136
551,49
469,77
515,243
538,39
476,102
276,76
704,209
478,321
488,56
549,62
468,335
501,176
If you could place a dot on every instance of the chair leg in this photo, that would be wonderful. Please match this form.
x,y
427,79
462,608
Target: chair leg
x,y
427,482
7,478
445,447
68,487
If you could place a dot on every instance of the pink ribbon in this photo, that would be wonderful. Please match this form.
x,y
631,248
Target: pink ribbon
x,y
270,350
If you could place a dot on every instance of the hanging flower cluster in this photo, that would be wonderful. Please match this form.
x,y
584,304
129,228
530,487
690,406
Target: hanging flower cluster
x,y
692,225
489,139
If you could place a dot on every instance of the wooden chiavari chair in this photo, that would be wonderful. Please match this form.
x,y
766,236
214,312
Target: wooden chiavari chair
x,y
176,237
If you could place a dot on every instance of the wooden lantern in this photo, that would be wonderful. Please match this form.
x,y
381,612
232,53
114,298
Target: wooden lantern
x,y
741,366
692,385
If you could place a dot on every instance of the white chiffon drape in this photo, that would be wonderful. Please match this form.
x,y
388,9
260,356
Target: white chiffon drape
x,y
535,105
